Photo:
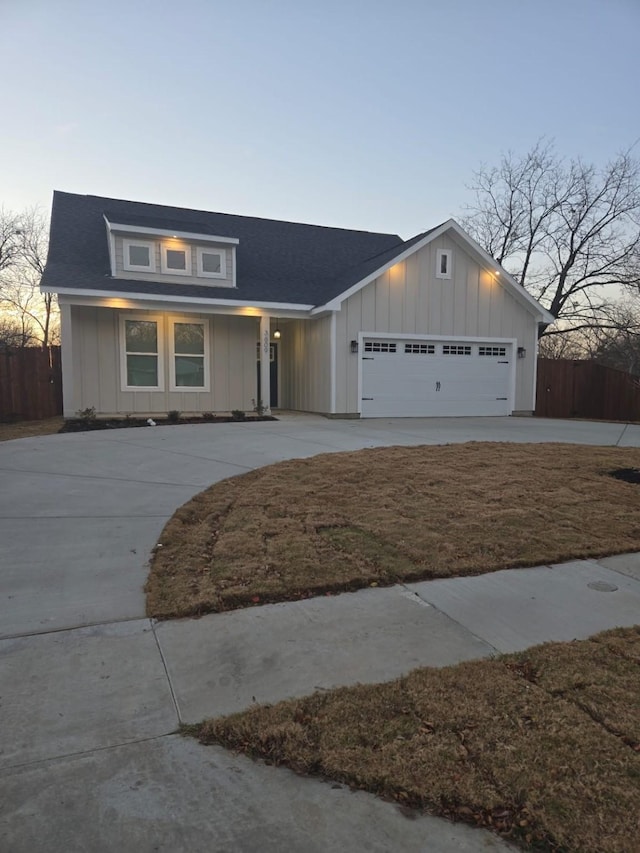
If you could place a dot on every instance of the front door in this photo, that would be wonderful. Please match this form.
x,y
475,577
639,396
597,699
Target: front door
x,y
273,365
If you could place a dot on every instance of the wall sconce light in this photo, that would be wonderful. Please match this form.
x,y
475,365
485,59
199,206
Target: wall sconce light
x,y
522,352
354,346
277,333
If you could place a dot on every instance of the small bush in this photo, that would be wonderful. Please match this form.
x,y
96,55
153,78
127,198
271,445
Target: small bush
x,y
238,414
259,408
173,416
208,416
88,414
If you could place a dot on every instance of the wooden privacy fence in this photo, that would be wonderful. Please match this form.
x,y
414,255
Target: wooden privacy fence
x,y
30,383
585,389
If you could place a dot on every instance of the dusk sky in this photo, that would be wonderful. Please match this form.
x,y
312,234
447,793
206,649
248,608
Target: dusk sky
x,y
354,113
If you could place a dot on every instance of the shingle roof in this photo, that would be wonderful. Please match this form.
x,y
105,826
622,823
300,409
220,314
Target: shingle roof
x,y
276,261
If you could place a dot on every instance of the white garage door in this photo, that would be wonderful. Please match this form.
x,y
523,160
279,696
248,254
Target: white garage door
x,y
435,378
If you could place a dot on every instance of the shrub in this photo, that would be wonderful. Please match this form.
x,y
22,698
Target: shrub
x,y
173,416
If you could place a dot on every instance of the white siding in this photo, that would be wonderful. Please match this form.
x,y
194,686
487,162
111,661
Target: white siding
x,y
409,299
306,365
96,359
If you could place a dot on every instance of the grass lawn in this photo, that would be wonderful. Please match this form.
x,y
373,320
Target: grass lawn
x,y
373,517
542,746
27,429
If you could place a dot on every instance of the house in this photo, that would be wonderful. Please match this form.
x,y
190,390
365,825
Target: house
x,y
166,308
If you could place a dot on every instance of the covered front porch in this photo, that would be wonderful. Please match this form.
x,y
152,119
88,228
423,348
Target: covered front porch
x,y
131,357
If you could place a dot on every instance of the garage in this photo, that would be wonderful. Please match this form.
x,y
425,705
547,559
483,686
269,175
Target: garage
x,y
436,377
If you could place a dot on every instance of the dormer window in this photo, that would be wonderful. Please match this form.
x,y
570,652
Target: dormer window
x,y
211,263
176,260
139,256
443,263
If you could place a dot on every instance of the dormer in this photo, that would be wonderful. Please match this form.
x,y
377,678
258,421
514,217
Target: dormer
x,y
177,253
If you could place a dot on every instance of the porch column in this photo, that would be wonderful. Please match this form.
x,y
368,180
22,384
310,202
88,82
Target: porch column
x,y
265,366
66,352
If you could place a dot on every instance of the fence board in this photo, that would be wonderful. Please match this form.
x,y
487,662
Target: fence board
x,y
585,389
30,383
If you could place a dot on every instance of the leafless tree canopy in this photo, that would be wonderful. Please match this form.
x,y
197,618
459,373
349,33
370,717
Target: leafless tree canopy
x,y
567,231
27,317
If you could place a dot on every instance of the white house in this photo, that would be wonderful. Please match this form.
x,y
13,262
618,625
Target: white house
x,y
168,308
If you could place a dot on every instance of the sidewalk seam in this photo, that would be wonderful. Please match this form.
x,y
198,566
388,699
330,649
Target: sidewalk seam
x,y
166,670
494,650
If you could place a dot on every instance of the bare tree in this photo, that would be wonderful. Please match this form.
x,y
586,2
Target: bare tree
x,y
567,231
20,299
10,239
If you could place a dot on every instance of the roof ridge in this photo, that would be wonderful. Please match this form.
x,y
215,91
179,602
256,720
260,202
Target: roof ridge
x,y
170,207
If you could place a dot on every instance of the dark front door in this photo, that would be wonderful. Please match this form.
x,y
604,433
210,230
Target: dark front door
x,y
273,364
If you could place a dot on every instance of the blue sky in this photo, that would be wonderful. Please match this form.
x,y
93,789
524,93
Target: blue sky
x,y
355,113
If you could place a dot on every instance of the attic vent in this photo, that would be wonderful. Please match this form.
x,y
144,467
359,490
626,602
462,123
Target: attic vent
x,y
419,349
492,351
379,346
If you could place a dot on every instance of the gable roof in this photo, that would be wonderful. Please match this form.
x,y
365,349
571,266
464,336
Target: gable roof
x,y
277,261
409,247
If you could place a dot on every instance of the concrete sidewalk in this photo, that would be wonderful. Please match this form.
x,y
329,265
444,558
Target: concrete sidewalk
x,y
92,692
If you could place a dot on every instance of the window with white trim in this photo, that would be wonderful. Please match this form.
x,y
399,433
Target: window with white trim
x,y
189,355
379,346
419,349
141,346
443,263
139,255
492,351
176,259
456,349
211,262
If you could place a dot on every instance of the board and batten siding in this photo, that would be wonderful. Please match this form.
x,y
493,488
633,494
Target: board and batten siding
x,y
159,276
306,365
409,299
96,365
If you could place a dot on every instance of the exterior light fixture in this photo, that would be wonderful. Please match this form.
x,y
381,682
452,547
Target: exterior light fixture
x,y
522,352
354,346
277,333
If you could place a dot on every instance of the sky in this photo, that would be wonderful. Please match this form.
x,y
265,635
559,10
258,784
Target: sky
x,y
352,113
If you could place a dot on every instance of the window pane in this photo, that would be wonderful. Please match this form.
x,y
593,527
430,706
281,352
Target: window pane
x,y
189,371
443,263
142,370
139,256
211,262
189,338
141,335
176,259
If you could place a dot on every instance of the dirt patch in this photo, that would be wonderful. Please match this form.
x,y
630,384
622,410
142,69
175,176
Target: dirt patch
x,y
345,521
541,746
28,429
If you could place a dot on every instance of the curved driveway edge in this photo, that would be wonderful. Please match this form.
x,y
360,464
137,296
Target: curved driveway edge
x,y
91,690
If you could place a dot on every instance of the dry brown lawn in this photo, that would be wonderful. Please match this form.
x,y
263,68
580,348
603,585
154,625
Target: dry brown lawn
x,y
542,746
28,429
349,520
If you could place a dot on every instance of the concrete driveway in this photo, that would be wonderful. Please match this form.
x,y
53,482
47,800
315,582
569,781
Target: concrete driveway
x,y
91,692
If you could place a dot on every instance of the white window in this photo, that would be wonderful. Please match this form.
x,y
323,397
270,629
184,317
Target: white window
x,y
189,355
139,255
443,263
140,349
176,259
212,263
